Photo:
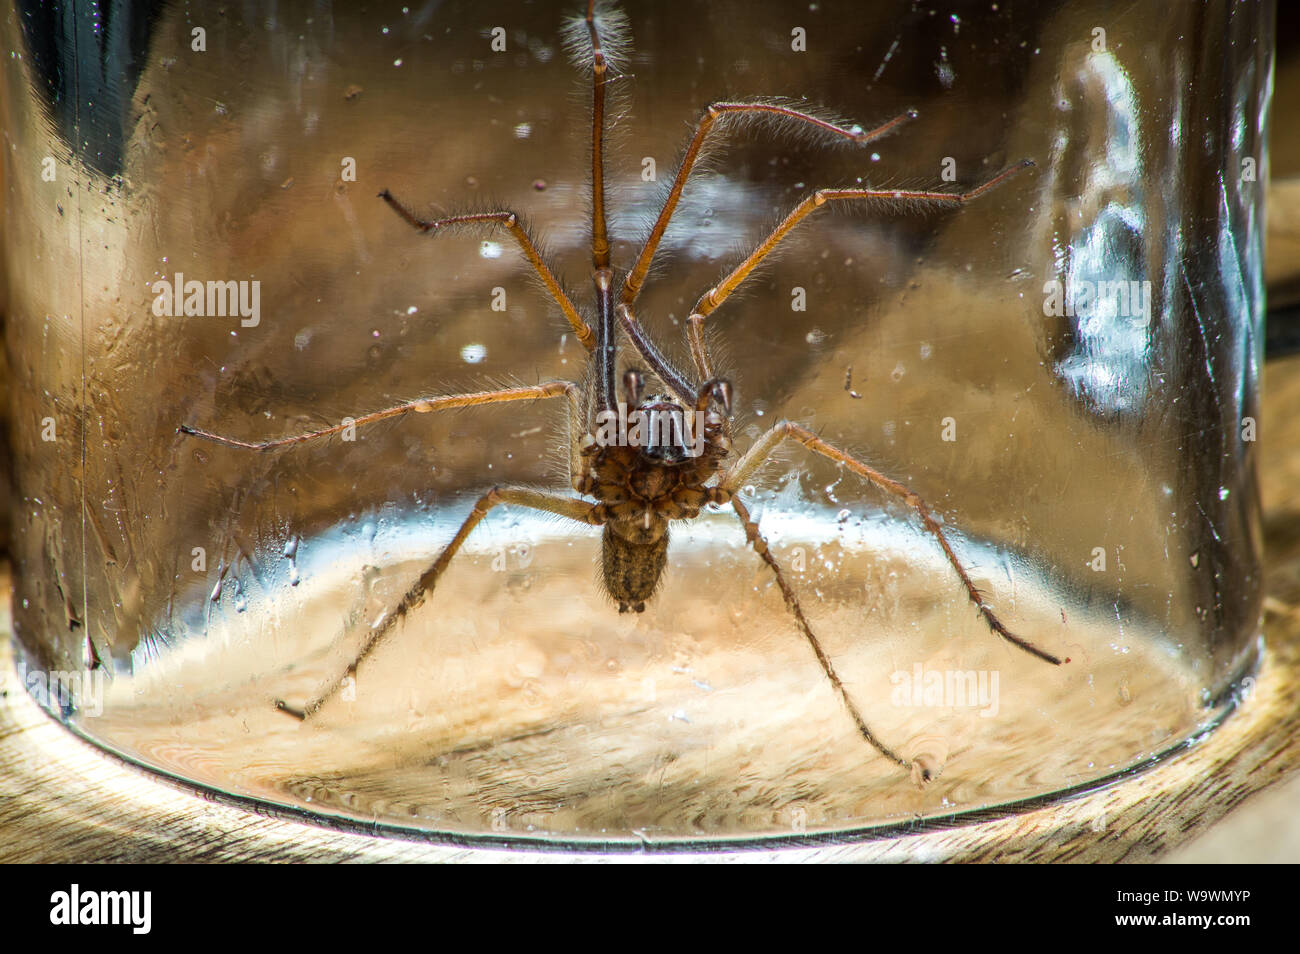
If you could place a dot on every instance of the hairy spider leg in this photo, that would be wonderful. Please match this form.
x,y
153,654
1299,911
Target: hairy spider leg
x,y
674,380
578,510
515,227
602,274
741,112
719,293
760,547
742,469
575,509
444,402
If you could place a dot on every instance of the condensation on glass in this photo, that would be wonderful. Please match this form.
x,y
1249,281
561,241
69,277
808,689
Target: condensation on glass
x,y
1067,370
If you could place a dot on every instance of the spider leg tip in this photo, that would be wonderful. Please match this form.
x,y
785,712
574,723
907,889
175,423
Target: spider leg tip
x,y
282,706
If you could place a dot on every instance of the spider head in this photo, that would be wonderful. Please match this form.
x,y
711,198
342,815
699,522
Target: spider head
x,y
664,431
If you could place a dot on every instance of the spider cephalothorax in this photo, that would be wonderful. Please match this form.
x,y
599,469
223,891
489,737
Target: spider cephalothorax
x,y
645,467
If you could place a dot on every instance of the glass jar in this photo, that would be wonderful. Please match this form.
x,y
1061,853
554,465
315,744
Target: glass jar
x,y
1065,370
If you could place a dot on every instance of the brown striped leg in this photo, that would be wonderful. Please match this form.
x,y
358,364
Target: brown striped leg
x,y
579,510
599,76
744,112
699,347
792,603
424,405
676,382
526,245
762,449
720,292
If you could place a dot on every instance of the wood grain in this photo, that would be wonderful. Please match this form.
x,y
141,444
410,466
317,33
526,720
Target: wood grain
x,y
62,800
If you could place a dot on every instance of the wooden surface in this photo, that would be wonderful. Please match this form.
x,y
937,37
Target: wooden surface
x,y
62,800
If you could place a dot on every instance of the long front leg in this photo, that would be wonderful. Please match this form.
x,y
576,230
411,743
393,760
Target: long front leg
x,y
445,402
509,221
579,510
720,292
760,547
599,77
762,449
673,379
737,112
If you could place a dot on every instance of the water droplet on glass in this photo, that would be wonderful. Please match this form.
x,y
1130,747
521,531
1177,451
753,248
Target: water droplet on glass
x,y
943,69
291,554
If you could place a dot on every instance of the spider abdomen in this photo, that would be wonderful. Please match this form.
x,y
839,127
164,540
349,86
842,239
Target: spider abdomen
x,y
641,495
630,568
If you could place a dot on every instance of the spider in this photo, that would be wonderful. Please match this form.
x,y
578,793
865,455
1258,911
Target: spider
x,y
644,457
